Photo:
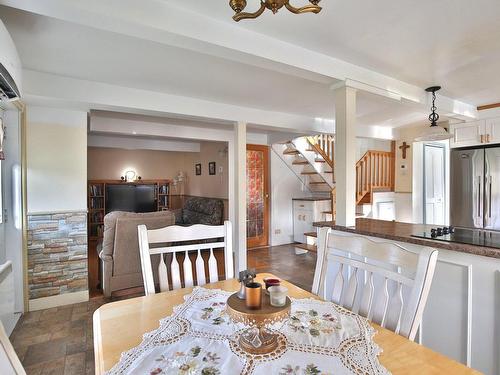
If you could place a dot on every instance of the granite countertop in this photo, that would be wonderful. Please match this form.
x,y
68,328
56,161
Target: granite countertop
x,y
312,199
402,232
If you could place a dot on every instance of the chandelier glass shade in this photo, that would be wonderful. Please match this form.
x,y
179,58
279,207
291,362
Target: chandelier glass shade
x,y
273,5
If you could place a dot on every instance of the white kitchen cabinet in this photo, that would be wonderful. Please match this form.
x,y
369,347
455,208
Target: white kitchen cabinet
x,y
468,133
476,133
492,130
305,213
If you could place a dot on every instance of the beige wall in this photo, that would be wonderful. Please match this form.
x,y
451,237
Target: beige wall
x,y
404,177
56,144
215,186
111,163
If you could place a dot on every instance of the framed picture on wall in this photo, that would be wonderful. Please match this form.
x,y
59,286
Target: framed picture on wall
x,y
197,169
211,168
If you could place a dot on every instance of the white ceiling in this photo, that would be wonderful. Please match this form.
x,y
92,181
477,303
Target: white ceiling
x,y
392,38
454,43
49,45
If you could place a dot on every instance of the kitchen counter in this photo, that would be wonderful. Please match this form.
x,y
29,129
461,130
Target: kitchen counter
x,y
402,232
311,199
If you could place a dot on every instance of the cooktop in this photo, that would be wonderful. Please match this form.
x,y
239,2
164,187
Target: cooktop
x,y
476,237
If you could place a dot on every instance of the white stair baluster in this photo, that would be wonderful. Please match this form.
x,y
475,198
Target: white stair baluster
x,y
162,275
188,271
338,285
385,302
350,293
175,272
200,270
365,306
212,267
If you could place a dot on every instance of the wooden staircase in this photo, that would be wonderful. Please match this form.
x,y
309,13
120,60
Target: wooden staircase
x,y
312,159
374,172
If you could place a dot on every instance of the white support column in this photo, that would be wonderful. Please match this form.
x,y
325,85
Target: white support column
x,y
345,155
240,194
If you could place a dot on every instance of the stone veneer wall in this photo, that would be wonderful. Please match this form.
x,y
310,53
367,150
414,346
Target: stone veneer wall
x,y
57,253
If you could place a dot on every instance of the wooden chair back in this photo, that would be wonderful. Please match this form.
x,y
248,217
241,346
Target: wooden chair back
x,y
381,281
219,236
9,362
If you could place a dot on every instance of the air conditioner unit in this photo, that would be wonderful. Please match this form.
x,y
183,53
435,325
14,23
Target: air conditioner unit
x,y
10,67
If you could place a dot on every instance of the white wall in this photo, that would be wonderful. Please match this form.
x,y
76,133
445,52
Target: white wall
x,y
57,160
141,143
284,186
2,238
365,144
12,204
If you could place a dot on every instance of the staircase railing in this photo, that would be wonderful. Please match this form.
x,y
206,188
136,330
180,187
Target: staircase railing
x,y
324,144
375,170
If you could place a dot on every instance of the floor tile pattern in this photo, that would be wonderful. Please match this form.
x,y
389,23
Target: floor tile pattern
x,y
59,340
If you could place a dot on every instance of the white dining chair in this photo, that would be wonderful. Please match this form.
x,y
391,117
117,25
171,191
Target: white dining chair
x,y
174,236
9,362
381,281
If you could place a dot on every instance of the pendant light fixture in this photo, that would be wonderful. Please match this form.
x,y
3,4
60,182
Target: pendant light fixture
x,y
434,132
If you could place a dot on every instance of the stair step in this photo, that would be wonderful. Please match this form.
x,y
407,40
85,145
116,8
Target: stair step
x,y
309,172
310,149
319,160
317,183
300,162
327,212
291,152
303,246
327,171
311,234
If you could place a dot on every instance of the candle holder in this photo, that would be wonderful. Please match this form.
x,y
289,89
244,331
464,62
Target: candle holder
x,y
257,339
253,296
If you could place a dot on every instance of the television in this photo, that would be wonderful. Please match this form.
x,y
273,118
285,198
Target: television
x,y
131,198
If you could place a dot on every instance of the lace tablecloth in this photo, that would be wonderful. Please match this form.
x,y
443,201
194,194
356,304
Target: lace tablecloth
x,y
199,338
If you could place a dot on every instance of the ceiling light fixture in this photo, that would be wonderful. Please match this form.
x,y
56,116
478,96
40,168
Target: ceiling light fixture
x,y
273,5
434,132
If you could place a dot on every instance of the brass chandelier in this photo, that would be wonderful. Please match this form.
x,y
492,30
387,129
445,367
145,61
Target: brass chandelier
x,y
273,5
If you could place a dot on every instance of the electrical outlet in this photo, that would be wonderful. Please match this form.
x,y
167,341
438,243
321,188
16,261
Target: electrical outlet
x,y
221,169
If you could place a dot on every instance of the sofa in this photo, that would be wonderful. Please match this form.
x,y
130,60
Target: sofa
x,y
119,250
199,210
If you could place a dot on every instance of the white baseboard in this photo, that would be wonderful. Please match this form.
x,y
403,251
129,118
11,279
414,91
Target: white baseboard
x,y
59,300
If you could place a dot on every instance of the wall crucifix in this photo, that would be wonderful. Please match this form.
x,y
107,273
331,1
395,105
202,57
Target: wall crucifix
x,y
403,149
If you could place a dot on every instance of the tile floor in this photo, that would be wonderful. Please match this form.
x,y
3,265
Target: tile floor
x,y
59,340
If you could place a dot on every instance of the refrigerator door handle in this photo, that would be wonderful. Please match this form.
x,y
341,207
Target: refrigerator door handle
x,y
489,197
479,197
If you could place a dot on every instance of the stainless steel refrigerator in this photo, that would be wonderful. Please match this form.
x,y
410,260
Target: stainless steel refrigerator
x,y
475,188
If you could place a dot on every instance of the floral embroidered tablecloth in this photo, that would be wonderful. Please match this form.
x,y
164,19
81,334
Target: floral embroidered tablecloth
x,y
199,338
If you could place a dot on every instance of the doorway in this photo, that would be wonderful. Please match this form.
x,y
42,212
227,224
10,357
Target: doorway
x,y
434,184
257,196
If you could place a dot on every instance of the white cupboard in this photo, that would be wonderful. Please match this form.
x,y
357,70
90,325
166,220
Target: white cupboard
x,y
305,213
493,130
475,133
468,133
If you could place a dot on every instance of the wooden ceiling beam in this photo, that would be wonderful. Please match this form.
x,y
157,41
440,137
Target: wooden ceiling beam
x,y
488,106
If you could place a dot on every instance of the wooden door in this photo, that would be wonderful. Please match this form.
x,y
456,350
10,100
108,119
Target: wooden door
x,y
257,196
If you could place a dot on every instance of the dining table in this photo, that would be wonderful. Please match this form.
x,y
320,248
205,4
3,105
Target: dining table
x,y
120,326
